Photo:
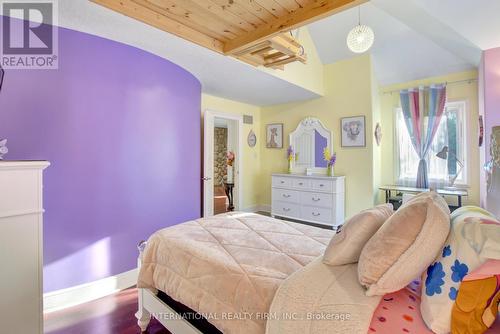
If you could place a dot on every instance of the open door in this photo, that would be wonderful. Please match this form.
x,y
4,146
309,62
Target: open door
x,y
208,164
234,130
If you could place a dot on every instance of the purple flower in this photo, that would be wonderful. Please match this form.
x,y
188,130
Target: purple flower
x,y
333,160
289,151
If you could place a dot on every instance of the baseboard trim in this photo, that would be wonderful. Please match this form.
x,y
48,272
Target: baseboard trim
x,y
76,295
257,208
265,208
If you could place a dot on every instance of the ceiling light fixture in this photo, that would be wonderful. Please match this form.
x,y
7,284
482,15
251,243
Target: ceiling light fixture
x,y
361,37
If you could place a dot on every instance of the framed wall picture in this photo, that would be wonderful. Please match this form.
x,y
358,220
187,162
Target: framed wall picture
x,y
274,135
353,131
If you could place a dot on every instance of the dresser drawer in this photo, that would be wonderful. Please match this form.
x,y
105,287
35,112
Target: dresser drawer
x,y
316,214
284,182
301,183
316,199
286,209
285,195
20,191
323,185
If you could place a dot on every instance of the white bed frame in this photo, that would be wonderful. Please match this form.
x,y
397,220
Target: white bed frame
x,y
152,306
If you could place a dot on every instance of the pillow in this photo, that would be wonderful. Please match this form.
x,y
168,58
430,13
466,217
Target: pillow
x,y
488,269
345,247
474,238
405,245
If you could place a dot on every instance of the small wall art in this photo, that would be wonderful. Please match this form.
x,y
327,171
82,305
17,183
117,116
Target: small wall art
x,y
353,131
274,135
378,134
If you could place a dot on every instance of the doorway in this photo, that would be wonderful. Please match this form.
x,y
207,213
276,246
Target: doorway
x,y
222,163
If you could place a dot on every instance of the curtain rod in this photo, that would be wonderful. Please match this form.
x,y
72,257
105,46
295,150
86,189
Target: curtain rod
x,y
447,83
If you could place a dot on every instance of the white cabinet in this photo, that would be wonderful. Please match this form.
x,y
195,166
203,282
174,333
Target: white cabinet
x,y
21,256
314,199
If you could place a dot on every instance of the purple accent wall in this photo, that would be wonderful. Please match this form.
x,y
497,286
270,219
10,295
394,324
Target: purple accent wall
x,y
491,94
121,128
320,143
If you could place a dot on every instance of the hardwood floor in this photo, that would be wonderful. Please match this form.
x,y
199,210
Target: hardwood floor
x,y
108,315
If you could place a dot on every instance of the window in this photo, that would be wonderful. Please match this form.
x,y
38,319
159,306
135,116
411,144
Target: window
x,y
451,133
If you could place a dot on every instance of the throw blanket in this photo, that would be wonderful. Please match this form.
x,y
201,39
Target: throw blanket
x,y
228,267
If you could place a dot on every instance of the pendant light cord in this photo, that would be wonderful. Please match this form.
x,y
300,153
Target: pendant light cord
x,y
359,15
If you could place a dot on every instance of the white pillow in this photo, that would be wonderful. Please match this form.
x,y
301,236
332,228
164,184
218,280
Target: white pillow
x,y
346,246
473,239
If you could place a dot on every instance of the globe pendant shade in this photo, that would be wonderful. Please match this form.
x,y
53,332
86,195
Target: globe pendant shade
x,y
360,39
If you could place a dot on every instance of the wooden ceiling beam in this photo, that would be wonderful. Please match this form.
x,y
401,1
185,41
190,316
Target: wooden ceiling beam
x,y
316,10
148,16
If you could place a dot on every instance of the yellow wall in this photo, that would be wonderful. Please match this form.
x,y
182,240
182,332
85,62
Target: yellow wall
x,y
377,149
348,91
455,92
251,155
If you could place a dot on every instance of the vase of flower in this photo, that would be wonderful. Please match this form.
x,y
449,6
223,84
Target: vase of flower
x,y
290,156
330,159
329,171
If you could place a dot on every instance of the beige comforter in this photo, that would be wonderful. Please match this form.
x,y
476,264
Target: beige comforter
x,y
229,267
321,299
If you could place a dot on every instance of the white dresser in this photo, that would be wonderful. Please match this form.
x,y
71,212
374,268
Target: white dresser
x,y
314,199
21,232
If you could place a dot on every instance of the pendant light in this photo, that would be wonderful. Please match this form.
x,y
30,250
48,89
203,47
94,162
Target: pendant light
x,y
360,38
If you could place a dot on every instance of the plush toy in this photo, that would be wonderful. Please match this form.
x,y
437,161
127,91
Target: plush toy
x,y
3,148
476,306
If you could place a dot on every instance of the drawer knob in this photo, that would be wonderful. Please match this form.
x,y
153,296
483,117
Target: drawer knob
x,y
316,214
301,184
282,182
322,185
316,199
286,209
286,195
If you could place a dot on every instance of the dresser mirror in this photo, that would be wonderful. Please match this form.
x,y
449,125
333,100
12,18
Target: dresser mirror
x,y
308,142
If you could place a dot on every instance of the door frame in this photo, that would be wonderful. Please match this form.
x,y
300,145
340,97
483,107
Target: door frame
x,y
209,116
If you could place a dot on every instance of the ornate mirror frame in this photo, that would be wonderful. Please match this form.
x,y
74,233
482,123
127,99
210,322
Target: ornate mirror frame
x,y
308,125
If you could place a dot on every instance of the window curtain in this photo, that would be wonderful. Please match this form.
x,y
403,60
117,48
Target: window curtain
x,y
423,109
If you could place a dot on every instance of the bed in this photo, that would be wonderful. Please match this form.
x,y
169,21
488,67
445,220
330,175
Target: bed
x,y
227,267
247,273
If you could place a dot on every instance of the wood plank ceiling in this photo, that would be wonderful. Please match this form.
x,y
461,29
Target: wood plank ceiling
x,y
231,27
